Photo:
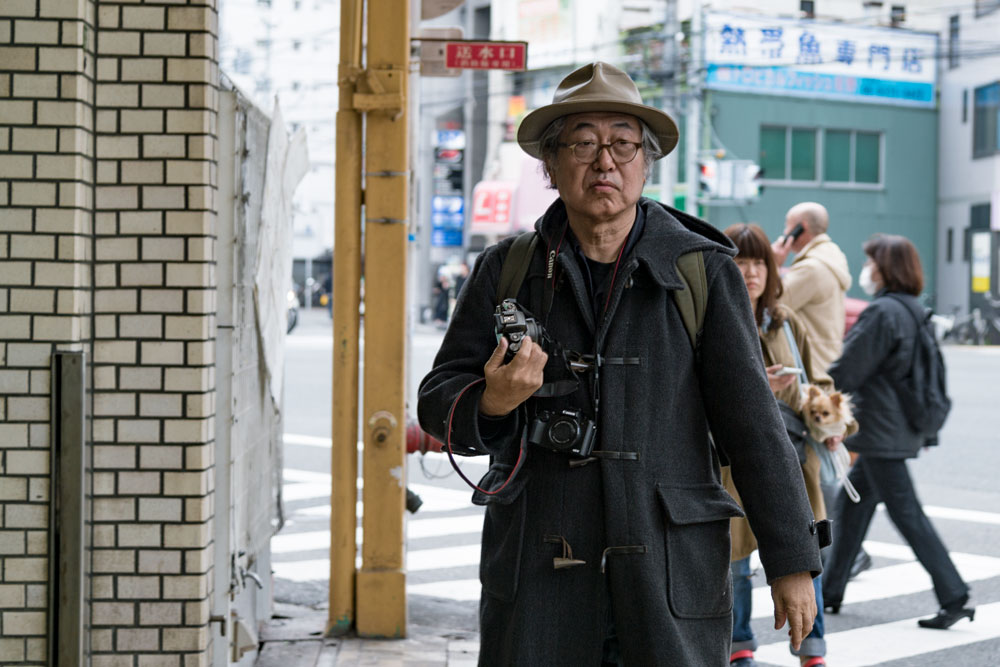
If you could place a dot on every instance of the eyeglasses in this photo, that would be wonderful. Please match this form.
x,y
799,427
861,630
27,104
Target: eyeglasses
x,y
621,151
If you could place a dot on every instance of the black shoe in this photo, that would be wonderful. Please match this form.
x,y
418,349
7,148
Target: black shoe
x,y
860,564
831,607
946,618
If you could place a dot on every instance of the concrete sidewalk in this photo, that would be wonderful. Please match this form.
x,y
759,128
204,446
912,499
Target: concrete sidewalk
x,y
294,638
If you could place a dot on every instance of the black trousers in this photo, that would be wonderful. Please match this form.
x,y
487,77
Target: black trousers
x,y
888,481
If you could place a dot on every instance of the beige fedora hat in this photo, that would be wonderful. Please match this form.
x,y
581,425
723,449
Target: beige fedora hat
x,y
597,87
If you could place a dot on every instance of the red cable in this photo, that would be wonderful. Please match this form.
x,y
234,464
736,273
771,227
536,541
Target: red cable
x,y
451,457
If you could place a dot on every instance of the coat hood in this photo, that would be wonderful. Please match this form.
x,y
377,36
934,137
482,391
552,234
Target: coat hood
x,y
668,233
823,250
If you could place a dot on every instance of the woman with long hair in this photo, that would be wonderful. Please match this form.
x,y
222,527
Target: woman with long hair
x,y
877,352
760,273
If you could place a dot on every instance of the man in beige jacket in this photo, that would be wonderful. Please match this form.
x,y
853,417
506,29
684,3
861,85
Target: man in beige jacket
x,y
816,282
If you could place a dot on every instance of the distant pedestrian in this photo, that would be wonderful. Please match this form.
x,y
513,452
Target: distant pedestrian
x,y
878,350
817,281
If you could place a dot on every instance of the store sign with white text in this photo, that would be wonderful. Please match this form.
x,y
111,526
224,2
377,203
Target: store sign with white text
x,y
826,60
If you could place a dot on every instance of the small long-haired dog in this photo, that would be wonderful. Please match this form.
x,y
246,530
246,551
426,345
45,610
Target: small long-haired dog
x,y
826,414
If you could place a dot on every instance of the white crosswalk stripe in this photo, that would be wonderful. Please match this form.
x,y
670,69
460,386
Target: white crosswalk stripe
x,y
443,556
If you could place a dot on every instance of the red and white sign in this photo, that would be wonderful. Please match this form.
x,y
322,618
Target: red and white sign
x,y
492,204
486,55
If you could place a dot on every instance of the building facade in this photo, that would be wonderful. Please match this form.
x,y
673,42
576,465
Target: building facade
x,y
838,114
113,481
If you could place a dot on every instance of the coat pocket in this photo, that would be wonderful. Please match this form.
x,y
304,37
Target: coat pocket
x,y
503,531
697,549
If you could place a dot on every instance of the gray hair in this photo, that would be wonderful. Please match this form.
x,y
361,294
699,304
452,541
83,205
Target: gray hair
x,y
548,146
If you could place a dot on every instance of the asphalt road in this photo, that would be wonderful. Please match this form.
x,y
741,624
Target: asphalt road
x,y
962,473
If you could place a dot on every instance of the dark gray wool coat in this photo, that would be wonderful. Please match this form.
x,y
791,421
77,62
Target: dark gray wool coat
x,y
652,527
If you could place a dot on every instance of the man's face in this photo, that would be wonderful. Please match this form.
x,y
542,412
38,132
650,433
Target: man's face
x,y
602,188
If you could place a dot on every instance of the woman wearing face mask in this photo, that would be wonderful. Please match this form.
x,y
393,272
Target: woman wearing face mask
x,y
877,351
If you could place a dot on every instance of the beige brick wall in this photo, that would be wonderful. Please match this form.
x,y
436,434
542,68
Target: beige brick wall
x,y
107,199
154,158
46,241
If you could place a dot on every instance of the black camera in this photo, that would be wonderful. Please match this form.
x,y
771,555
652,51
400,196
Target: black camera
x,y
514,323
566,431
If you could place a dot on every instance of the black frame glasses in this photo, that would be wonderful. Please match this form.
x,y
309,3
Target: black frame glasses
x,y
621,151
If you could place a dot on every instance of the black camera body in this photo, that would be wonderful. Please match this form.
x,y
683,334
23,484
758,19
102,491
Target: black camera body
x,y
514,323
566,431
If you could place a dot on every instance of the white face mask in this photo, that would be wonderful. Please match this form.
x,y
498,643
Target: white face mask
x,y
865,280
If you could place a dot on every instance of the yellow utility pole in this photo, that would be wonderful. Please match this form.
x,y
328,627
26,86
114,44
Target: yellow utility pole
x,y
381,593
374,598
346,327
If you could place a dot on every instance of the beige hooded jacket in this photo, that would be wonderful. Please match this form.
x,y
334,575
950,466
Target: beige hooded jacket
x,y
814,287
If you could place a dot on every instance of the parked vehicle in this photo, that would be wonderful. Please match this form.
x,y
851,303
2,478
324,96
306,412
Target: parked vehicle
x,y
981,327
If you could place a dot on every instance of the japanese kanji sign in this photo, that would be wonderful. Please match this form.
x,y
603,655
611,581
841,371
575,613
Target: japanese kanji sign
x,y
486,55
809,58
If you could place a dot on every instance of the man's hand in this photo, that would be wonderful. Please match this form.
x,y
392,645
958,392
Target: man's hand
x,y
782,248
794,601
509,385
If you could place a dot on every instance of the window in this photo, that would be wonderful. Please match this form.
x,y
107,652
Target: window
x,y
951,245
788,154
852,157
965,106
953,42
837,156
866,157
897,15
803,155
985,117
808,9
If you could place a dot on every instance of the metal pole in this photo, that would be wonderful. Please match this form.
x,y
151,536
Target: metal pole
x,y
693,138
346,328
381,583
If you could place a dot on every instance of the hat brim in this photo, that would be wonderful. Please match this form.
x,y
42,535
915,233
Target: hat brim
x,y
533,125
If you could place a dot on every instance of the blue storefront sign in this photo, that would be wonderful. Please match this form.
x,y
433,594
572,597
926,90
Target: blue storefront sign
x,y
447,220
805,58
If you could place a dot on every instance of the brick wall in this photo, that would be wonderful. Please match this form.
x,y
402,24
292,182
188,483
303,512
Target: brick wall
x,y
107,188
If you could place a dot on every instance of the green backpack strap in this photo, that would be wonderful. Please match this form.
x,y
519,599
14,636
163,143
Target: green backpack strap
x,y
515,266
693,299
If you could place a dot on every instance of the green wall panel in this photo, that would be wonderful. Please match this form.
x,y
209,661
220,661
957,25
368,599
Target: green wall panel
x,y
905,203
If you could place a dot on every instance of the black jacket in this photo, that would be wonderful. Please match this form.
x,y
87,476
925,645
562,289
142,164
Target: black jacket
x,y
877,352
652,526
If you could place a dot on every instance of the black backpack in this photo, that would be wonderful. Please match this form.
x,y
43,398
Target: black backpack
x,y
922,389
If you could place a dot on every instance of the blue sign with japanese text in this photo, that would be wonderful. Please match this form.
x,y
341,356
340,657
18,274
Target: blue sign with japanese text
x,y
447,220
807,58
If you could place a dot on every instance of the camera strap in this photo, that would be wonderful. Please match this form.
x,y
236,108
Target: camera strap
x,y
522,454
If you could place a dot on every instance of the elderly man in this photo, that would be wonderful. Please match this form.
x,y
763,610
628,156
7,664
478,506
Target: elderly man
x,y
816,282
619,555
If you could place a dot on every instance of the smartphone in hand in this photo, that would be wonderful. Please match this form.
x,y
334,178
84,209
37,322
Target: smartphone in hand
x,y
796,231
788,370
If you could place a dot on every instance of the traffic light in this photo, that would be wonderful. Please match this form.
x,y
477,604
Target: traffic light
x,y
708,178
752,176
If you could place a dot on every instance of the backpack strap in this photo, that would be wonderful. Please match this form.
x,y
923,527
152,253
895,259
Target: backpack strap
x,y
515,266
692,301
